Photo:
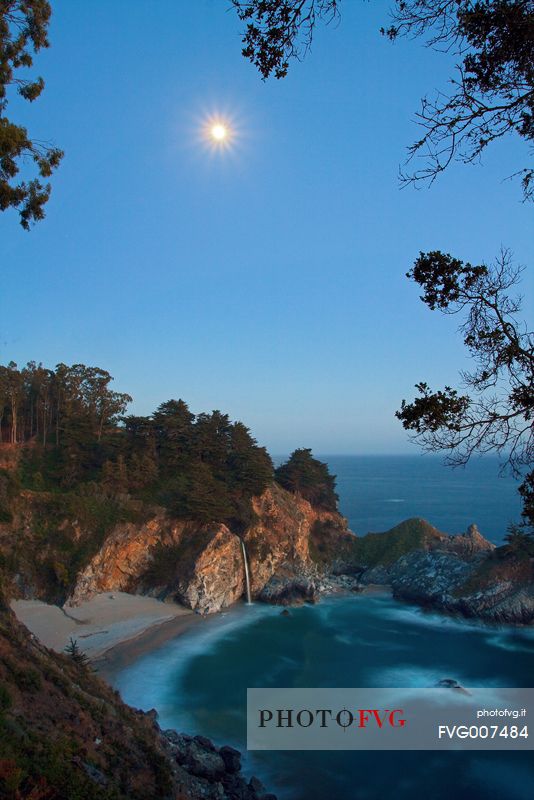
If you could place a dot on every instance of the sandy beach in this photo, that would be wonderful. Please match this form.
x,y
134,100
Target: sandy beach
x,y
102,623
114,629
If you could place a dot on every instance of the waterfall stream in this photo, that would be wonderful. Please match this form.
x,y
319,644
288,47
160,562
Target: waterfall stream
x,y
247,576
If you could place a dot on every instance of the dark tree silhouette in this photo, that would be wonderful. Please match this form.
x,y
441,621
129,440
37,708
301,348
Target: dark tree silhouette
x,y
490,94
305,475
23,32
279,30
497,415
78,656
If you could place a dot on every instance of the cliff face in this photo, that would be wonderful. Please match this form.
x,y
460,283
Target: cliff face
x,y
203,566
490,588
461,574
295,552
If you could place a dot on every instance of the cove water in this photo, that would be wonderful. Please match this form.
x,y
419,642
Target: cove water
x,y
198,681
198,685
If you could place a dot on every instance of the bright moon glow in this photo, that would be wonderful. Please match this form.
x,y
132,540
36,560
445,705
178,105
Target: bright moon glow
x,y
219,132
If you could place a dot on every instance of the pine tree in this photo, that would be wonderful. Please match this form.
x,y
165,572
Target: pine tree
x,y
78,656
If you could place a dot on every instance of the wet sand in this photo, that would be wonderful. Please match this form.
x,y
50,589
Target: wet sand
x,y
115,629
124,653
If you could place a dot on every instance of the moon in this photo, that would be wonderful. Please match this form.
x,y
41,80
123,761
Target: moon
x,y
219,132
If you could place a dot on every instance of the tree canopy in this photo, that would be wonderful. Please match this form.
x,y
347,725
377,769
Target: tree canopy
x,y
490,95
77,438
23,32
310,478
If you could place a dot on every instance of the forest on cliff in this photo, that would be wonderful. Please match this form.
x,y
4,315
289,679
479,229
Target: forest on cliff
x,y
69,434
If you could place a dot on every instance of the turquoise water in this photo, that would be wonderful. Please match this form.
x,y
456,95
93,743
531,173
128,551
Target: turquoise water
x,y
198,684
377,492
198,681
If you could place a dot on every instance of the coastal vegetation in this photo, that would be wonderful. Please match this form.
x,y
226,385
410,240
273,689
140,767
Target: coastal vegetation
x,y
74,465
72,439
66,735
305,475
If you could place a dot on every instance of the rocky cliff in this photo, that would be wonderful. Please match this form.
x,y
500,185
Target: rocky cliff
x,y
202,566
295,552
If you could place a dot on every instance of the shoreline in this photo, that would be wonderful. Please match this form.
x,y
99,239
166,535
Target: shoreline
x,y
115,628
123,653
107,621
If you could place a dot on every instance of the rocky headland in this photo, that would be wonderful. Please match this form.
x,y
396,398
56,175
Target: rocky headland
x,y
457,574
463,574
295,552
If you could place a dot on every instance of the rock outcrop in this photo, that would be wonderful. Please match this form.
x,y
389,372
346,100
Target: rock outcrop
x,y
295,552
214,773
462,574
202,566
199,566
477,588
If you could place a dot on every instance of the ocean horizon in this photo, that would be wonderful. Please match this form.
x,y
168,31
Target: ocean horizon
x,y
377,492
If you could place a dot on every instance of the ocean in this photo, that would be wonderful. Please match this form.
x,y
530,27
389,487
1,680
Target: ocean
x,y
378,492
198,681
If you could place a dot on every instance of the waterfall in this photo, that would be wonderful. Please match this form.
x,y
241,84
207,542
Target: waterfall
x,y
247,576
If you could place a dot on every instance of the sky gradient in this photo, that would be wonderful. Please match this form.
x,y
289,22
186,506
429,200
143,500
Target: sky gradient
x,y
267,281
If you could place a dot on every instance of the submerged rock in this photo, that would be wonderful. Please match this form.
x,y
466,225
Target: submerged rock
x,y
452,683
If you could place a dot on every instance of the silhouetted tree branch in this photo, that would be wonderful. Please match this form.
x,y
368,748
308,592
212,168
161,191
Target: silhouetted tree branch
x,y
490,96
23,32
497,415
279,30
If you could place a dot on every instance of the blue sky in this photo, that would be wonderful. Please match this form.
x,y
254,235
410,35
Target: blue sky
x,y
266,281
